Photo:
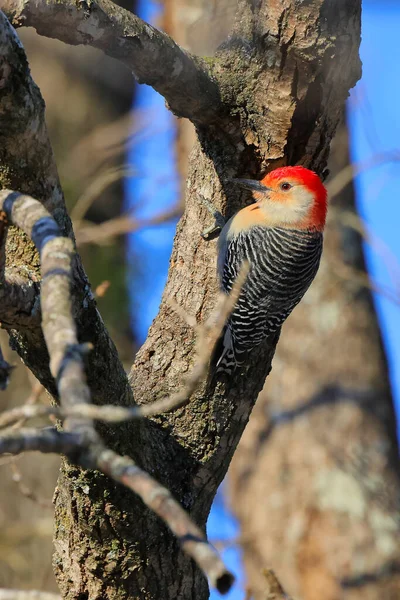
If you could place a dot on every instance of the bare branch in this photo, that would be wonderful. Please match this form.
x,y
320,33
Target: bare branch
x,y
47,440
207,336
104,233
80,440
160,500
153,56
25,412
100,183
25,490
350,172
125,471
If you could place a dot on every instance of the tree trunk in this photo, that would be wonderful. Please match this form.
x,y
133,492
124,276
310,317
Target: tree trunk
x,y
282,79
315,481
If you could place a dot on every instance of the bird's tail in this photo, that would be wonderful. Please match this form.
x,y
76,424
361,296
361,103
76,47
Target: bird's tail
x,y
226,363
223,361
227,356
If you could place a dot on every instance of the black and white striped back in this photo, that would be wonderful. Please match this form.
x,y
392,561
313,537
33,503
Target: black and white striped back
x,y
283,263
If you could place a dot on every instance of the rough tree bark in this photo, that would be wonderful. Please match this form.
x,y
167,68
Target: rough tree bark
x,y
273,94
315,481
305,359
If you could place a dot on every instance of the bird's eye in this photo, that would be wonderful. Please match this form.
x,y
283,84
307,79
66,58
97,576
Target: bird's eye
x,y
285,186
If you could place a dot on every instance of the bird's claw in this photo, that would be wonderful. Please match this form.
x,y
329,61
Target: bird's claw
x,y
219,223
211,232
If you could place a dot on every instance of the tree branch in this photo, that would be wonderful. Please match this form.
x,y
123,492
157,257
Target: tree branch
x,y
47,440
67,367
207,336
153,56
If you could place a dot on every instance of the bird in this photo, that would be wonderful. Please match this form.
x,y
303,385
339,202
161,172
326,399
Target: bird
x,y
281,236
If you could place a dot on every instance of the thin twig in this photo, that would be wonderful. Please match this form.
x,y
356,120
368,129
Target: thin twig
x,y
26,412
102,182
349,172
207,336
104,233
125,471
47,440
107,141
27,595
36,391
25,490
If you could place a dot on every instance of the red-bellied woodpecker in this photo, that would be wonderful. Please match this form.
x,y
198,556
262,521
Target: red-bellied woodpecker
x,y
280,235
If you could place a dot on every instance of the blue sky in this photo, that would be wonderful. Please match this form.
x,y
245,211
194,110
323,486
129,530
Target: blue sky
x,y
374,128
151,192
374,123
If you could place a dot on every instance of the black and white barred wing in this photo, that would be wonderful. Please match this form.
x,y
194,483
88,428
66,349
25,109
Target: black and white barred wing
x,y
283,264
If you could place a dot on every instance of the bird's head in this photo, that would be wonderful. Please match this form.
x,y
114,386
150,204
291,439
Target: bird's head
x,y
292,197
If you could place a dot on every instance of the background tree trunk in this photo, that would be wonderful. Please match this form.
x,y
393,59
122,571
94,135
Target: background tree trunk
x,y
283,77
315,480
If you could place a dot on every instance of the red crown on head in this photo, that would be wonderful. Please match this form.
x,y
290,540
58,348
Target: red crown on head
x,y
310,180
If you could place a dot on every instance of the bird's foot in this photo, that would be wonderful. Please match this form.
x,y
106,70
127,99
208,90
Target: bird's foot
x,y
219,223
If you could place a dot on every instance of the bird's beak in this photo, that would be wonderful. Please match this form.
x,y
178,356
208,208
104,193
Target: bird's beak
x,y
252,184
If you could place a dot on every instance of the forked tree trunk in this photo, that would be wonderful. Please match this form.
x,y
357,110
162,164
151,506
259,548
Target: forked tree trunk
x,y
283,77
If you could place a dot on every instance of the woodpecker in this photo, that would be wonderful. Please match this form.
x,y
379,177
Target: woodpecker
x,y
280,235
